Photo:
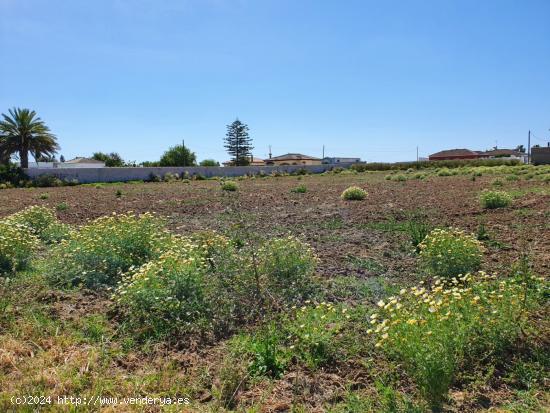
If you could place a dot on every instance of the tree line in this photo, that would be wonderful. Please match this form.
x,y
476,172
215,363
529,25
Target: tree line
x,y
24,133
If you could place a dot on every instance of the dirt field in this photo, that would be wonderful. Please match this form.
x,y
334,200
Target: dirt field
x,y
337,229
361,239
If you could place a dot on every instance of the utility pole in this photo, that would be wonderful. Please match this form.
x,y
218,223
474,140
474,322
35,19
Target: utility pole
x,y
529,147
269,151
417,154
323,152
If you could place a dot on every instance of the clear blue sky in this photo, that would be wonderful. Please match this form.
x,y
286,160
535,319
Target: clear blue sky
x,y
366,78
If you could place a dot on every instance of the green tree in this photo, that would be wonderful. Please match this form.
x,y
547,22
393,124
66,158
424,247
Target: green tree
x,y
21,132
178,155
111,160
238,143
209,162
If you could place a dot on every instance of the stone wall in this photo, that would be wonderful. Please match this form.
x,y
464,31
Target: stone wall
x,y
91,175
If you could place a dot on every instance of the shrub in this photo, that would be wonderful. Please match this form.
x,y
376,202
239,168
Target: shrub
x,y
435,333
450,252
229,186
99,252
444,172
41,222
47,181
11,175
419,175
17,244
170,177
44,196
512,178
205,283
300,189
354,193
388,177
166,295
497,182
495,199
287,265
399,178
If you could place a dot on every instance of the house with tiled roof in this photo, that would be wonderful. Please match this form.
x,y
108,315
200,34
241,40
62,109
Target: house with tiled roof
x,y
293,159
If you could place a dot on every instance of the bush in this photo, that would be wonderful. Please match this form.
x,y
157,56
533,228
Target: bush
x,y
166,295
41,222
205,283
354,193
450,252
286,266
11,175
229,186
495,199
444,172
399,178
300,189
17,244
436,333
512,178
44,181
99,252
170,177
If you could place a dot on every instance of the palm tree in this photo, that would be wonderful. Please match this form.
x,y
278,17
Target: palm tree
x,y
22,132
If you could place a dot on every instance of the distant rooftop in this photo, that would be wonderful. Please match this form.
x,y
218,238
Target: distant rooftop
x,y
84,160
455,152
293,157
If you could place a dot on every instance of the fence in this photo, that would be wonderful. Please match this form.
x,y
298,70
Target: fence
x,y
91,175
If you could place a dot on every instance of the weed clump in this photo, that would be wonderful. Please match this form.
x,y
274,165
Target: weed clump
x,y
354,193
210,285
437,332
99,252
17,244
300,189
229,186
41,222
450,252
495,199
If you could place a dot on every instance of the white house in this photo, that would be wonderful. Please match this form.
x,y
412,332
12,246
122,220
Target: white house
x,y
80,163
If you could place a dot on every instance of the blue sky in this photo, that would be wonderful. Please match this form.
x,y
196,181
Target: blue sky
x,y
365,78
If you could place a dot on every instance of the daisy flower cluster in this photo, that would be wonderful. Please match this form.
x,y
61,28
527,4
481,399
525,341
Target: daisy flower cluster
x,y
432,330
450,252
41,222
101,251
17,244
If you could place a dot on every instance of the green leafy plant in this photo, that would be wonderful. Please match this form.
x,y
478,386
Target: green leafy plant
x,y
417,230
229,186
450,252
354,193
62,206
495,199
300,189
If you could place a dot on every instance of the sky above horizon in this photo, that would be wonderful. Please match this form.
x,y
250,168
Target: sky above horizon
x,y
373,79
